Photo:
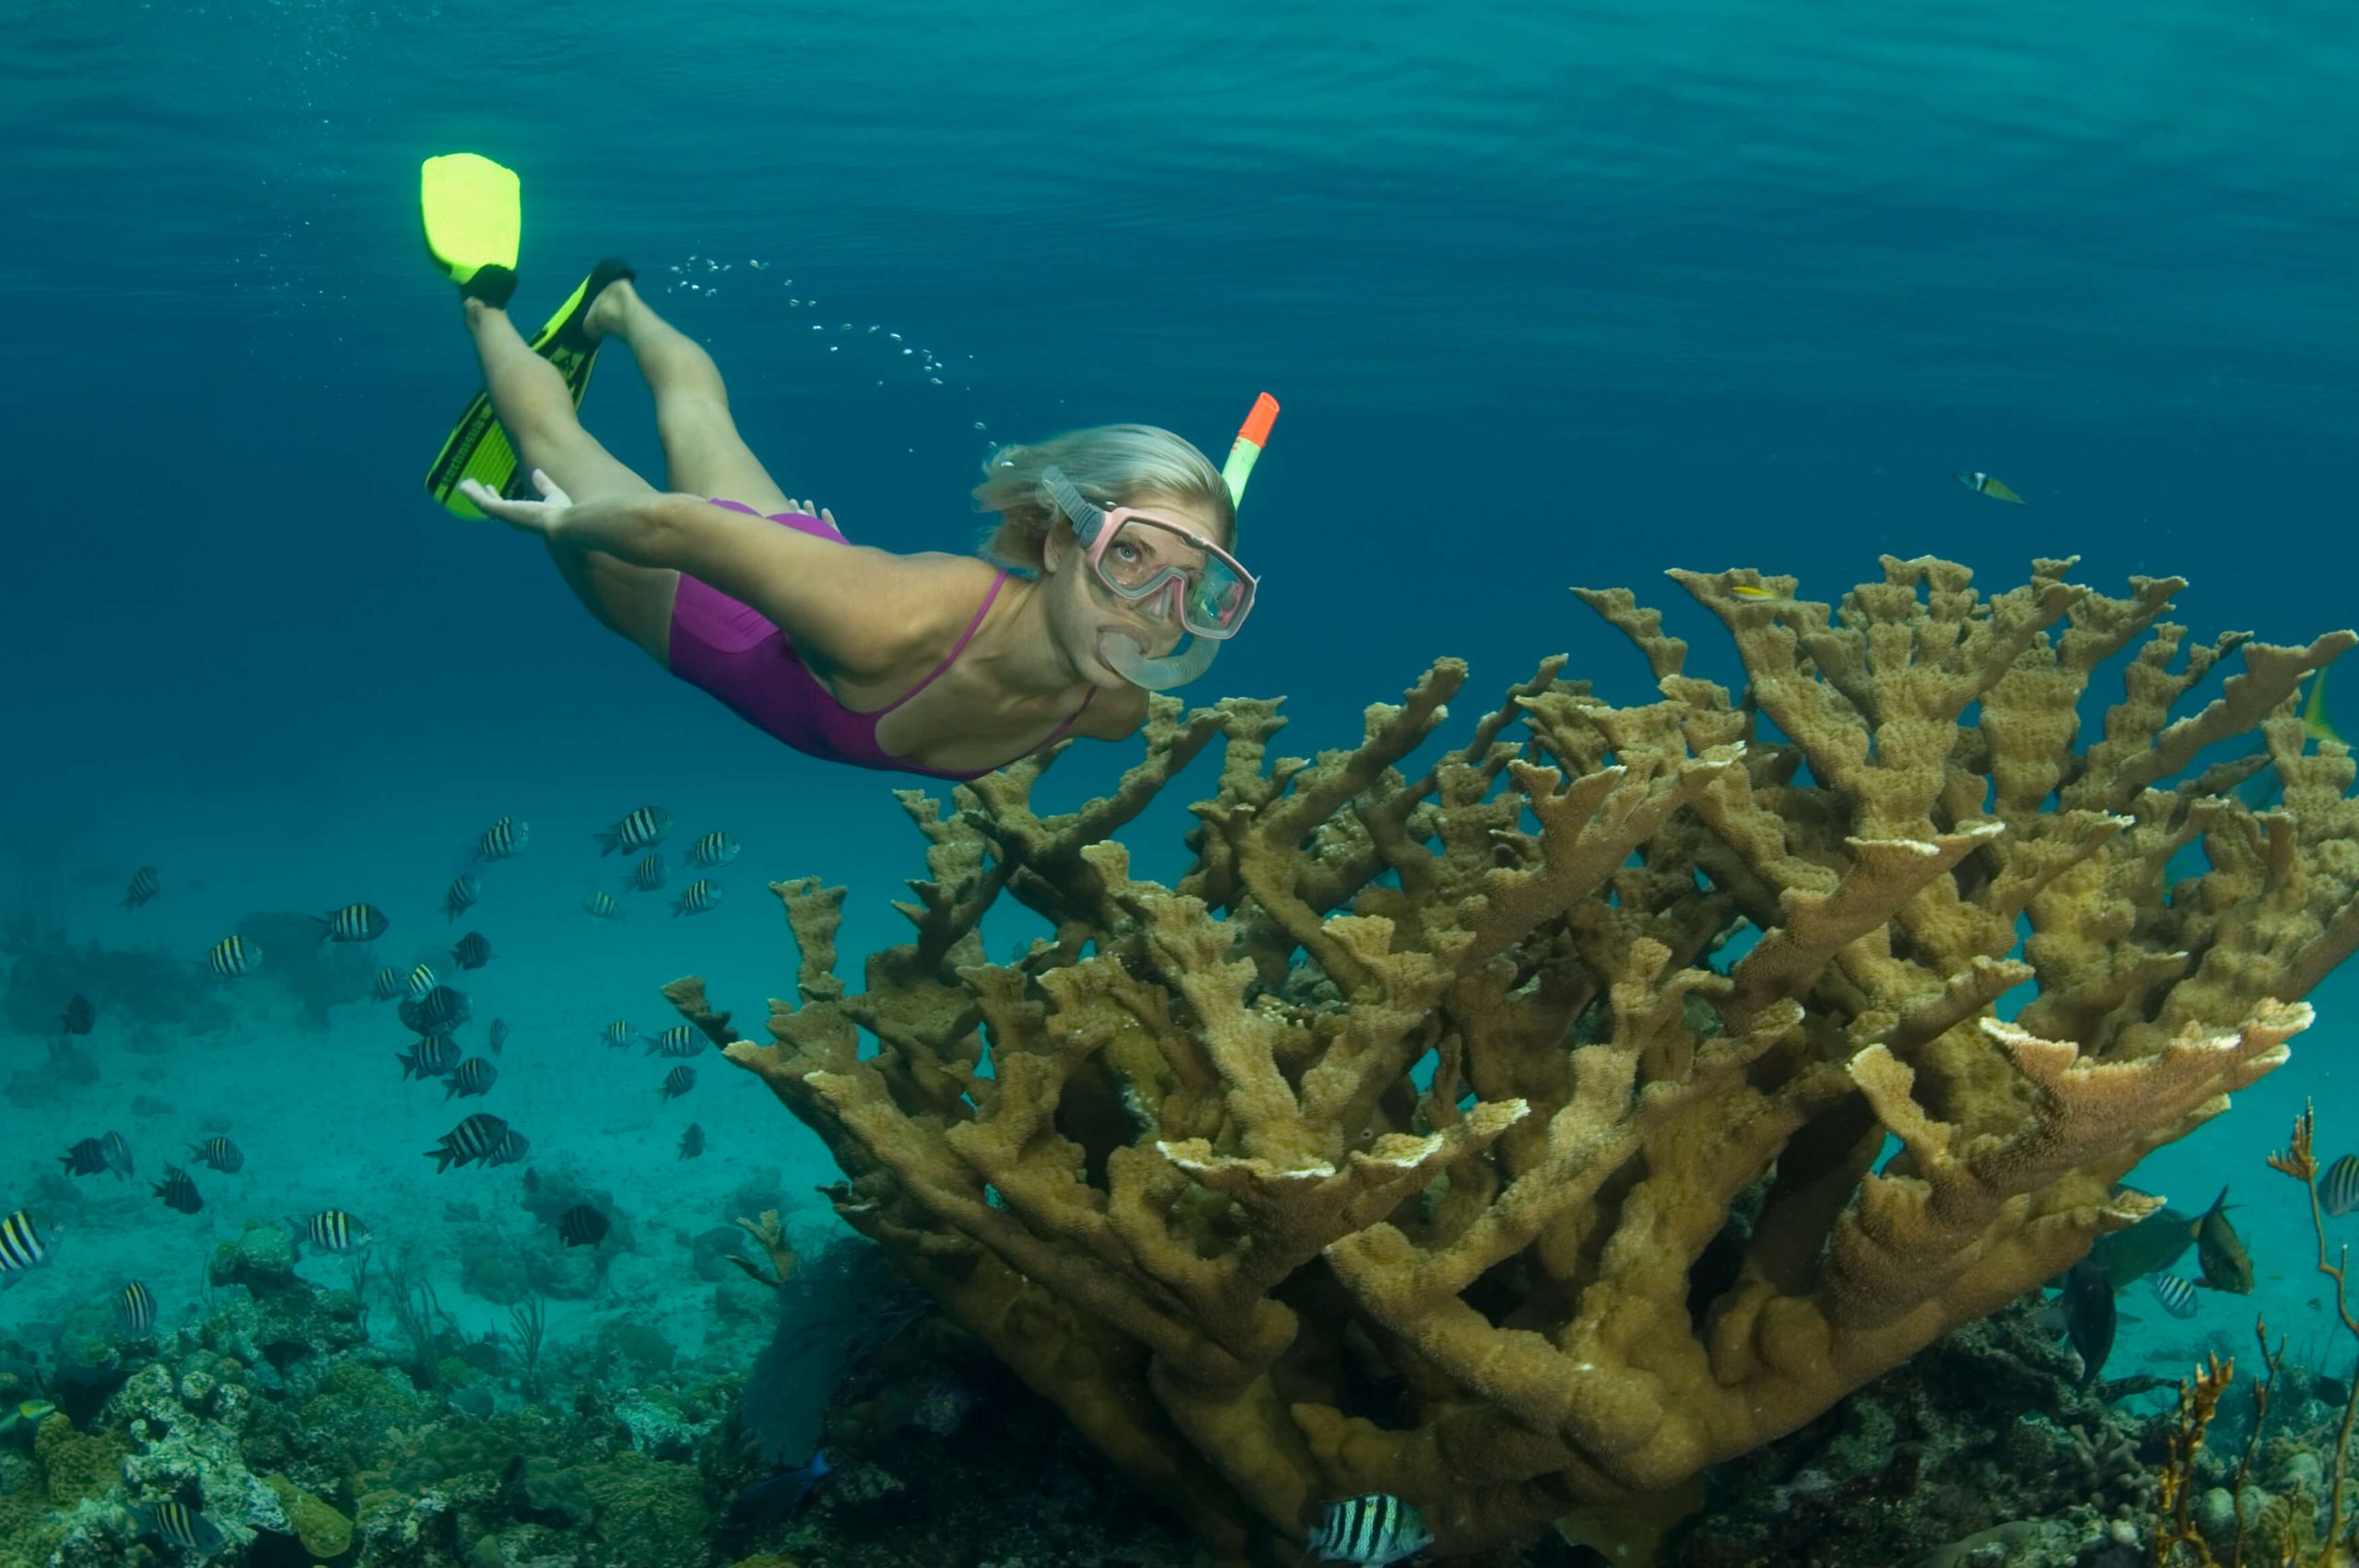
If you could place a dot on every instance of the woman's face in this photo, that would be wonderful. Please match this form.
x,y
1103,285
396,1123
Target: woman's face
x,y
1081,609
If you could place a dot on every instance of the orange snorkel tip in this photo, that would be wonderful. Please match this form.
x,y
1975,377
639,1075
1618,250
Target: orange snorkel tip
x,y
1246,450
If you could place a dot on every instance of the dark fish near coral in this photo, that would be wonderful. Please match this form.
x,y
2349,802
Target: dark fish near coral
x,y
1983,485
178,1524
713,850
503,839
477,1137
679,1040
581,1225
460,896
702,895
387,985
25,1241
79,1016
2176,1295
496,1039
2338,1188
602,904
646,876
1371,1531
439,1011
434,1056
2153,1243
474,952
87,1157
145,886
514,1147
642,829
677,1081
233,956
220,1153
765,1503
134,1311
331,1230
692,1142
354,922
2087,1302
474,1076
178,1191
421,980
2221,1252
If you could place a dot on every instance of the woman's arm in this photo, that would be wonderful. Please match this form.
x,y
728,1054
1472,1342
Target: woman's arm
x,y
860,610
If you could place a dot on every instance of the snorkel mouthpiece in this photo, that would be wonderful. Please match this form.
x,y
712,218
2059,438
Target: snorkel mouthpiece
x,y
1125,655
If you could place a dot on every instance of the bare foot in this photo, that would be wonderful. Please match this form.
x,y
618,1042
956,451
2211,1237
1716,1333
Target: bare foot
x,y
607,310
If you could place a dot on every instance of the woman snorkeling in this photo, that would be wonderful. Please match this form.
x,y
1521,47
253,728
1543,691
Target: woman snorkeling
x,y
1112,550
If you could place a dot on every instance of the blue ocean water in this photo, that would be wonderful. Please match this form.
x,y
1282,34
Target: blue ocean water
x,y
1549,298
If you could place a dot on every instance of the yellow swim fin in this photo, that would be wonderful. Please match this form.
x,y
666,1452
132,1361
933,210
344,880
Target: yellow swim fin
x,y
474,212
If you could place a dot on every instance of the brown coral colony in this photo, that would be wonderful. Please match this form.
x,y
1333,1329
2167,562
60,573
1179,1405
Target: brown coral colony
x,y
1510,1136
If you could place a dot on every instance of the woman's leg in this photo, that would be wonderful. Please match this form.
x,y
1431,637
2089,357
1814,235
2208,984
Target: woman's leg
x,y
702,449
529,395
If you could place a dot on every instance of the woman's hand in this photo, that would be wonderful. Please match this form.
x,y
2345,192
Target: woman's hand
x,y
541,517
811,508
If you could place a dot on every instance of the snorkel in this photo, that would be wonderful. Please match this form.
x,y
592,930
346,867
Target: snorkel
x,y
1120,650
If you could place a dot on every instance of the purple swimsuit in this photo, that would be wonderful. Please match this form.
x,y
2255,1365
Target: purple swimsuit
x,y
736,653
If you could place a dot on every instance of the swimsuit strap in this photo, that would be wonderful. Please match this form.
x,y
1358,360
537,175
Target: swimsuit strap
x,y
950,658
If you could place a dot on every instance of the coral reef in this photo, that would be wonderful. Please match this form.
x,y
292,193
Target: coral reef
x,y
1510,1136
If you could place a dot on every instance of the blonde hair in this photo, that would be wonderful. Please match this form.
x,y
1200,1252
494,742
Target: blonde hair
x,y
1114,465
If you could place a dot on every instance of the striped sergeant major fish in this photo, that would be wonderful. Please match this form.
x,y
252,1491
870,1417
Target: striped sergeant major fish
x,y
145,886
233,956
677,1081
679,1040
331,1230
1370,1531
702,894
87,1156
513,1146
421,980
472,1077
25,1241
602,904
714,848
439,1011
178,1191
2176,1295
692,1142
2338,1188
473,951
354,922
642,829
477,1137
616,1034
646,876
134,1311
1984,485
503,839
387,985
434,1056
177,1524
220,1153
460,896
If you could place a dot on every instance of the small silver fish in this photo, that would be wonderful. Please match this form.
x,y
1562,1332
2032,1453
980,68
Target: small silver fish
x,y
1984,485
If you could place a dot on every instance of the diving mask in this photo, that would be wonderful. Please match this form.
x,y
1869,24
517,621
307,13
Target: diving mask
x,y
1170,572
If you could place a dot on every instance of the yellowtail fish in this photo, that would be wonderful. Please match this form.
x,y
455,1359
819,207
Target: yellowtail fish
x,y
25,1241
134,1311
177,1524
32,1412
331,1230
387,985
602,904
477,1137
2338,1188
145,886
503,839
460,897
702,895
354,922
677,1082
2221,1252
472,1077
233,956
2315,723
646,876
2176,1295
714,848
1983,485
1370,1531
1758,594
642,829
220,1153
